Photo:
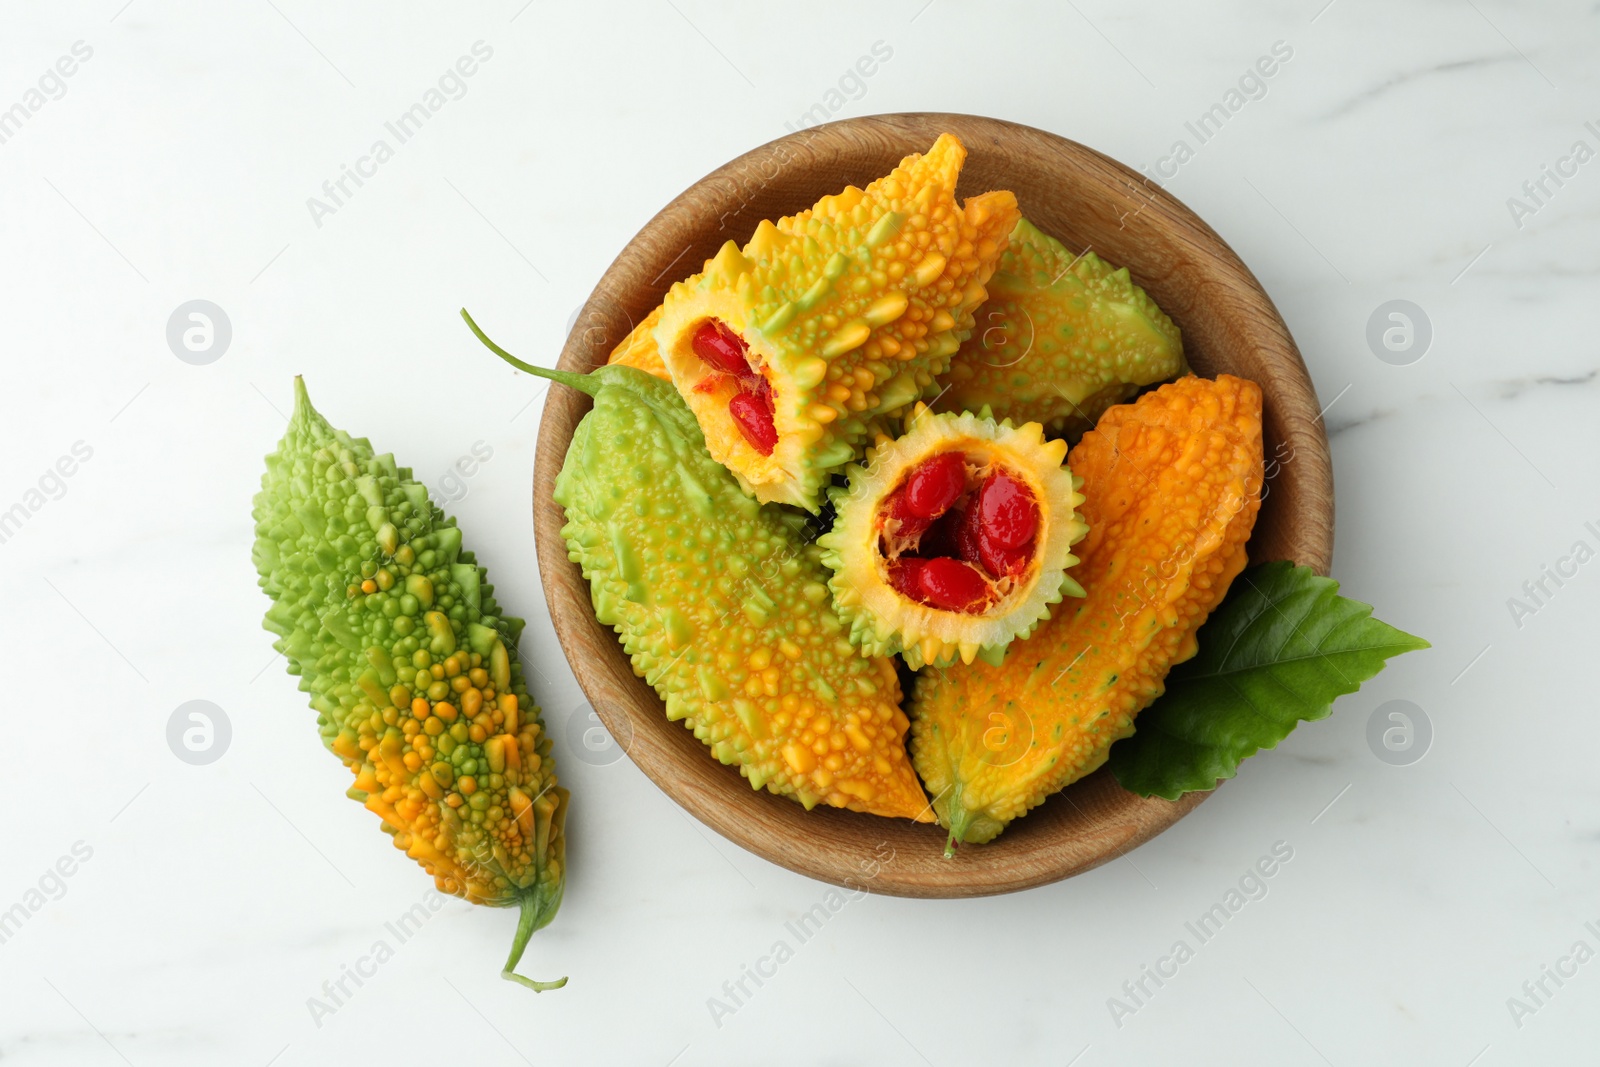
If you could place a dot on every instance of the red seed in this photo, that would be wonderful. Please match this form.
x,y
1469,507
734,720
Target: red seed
x,y
966,532
936,483
752,413
999,560
719,346
911,524
1007,511
903,574
953,585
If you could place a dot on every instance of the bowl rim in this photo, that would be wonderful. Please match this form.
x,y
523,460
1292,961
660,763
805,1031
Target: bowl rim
x,y
827,844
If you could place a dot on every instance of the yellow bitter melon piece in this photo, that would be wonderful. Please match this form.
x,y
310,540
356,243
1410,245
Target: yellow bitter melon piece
x,y
1172,484
849,309
865,541
638,350
1062,338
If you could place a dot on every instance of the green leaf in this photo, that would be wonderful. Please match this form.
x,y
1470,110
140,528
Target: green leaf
x,y
1280,648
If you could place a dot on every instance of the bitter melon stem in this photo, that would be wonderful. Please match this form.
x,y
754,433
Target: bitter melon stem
x,y
581,382
960,819
534,915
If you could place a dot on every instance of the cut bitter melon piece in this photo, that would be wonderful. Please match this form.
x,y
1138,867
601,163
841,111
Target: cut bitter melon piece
x,y
953,540
787,349
1062,338
1173,485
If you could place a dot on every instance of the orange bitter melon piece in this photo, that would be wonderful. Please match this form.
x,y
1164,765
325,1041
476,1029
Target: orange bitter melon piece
x,y
1171,486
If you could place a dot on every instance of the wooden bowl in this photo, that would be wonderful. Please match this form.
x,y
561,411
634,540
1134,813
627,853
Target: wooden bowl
x,y
1087,201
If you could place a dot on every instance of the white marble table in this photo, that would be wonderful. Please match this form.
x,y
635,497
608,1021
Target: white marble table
x,y
1385,158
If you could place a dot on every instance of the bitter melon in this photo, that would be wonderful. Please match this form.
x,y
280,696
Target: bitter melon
x,y
412,670
1171,485
954,539
722,607
1062,338
787,349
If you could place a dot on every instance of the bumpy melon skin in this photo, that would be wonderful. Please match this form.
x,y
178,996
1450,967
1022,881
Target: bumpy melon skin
x,y
882,621
1062,338
851,309
1172,486
365,572
723,609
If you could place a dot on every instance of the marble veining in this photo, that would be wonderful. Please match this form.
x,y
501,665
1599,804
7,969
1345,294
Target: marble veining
x,y
1414,77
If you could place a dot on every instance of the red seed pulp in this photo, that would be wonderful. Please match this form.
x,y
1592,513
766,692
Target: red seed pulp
x,y
904,574
995,531
751,407
953,585
911,524
940,538
936,483
719,346
752,413
1007,511
965,533
1000,561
